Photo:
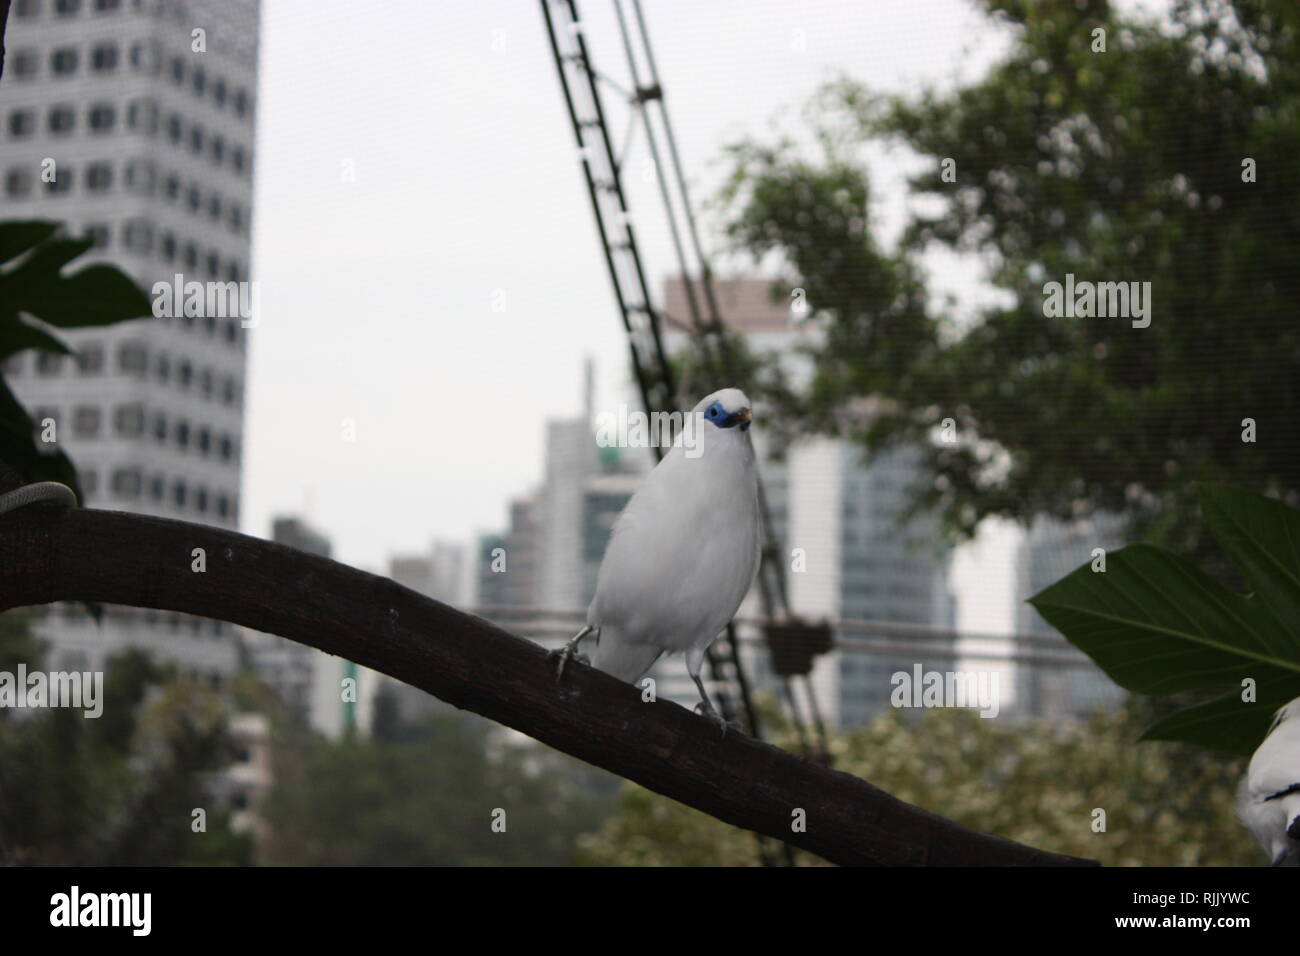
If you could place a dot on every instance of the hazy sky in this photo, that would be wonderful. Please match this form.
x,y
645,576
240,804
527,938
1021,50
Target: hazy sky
x,y
376,293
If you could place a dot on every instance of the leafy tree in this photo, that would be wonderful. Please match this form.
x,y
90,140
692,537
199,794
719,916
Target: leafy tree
x,y
1127,165
118,789
1041,784
427,797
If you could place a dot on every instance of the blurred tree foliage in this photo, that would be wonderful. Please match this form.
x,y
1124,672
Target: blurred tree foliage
x,y
424,794
118,789
1123,165
1165,804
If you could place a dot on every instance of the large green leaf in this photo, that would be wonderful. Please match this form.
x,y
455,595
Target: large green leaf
x,y
1157,625
34,286
96,295
1261,536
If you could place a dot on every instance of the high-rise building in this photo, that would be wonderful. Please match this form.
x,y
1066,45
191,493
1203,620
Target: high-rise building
x,y
131,123
1049,551
571,458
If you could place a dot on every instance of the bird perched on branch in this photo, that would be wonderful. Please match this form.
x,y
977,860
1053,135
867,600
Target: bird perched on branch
x,y
683,553
1269,799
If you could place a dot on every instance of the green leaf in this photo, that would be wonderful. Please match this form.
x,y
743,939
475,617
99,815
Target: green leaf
x,y
20,334
20,235
36,285
97,295
1229,723
1261,536
1158,625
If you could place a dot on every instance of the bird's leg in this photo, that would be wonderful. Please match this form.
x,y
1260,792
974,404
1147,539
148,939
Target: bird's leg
x,y
570,651
705,707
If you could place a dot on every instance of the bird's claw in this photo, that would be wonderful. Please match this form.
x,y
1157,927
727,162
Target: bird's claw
x,y
705,710
565,654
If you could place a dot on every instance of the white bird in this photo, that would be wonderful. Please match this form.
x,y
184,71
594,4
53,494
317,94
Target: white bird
x,y
683,553
1269,799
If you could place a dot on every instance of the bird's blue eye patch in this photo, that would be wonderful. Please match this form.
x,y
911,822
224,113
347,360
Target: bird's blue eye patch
x,y
724,419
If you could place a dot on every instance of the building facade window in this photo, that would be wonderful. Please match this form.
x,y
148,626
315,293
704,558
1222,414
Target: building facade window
x,y
127,482
23,64
140,177
90,359
61,120
104,57
99,177
22,123
61,184
142,116
18,183
133,358
139,235
86,420
128,420
63,61
102,118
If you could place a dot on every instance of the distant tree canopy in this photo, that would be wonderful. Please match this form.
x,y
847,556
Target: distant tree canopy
x,y
119,789
1169,158
429,794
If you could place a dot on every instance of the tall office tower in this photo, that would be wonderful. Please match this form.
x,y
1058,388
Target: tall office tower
x,y
491,580
131,122
1049,551
604,495
522,542
571,458
837,515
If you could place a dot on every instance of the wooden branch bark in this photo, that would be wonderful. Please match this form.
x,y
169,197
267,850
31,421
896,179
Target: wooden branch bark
x,y
53,554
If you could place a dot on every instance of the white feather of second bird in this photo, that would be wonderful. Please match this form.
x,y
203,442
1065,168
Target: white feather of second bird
x,y
1274,769
683,553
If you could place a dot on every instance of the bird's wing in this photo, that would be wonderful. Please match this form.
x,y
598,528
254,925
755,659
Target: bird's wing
x,y
681,557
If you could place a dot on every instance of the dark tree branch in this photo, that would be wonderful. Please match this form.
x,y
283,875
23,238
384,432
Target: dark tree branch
x,y
53,554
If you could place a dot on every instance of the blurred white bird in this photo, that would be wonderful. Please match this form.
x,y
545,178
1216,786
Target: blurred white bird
x,y
683,553
1269,799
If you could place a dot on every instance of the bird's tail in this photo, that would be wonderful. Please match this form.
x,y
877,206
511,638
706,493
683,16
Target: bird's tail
x,y
627,662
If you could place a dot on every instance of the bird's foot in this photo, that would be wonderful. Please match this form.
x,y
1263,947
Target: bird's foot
x,y
705,709
569,652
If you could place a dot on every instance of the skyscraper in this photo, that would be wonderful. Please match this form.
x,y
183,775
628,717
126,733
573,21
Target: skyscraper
x,y
1051,550
131,122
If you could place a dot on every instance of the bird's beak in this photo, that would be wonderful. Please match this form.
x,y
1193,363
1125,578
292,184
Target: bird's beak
x,y
743,416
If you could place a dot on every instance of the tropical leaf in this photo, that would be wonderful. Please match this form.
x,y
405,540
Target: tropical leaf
x,y
1158,625
34,286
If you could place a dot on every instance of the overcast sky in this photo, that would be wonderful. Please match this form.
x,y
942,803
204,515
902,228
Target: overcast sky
x,y
376,293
